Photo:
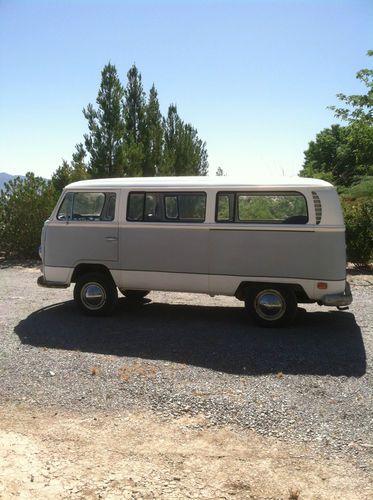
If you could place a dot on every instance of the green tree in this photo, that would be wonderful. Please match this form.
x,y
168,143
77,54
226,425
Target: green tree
x,y
75,171
104,142
62,176
184,152
171,126
344,154
153,135
329,156
134,124
220,172
192,153
359,231
24,206
341,155
358,107
127,135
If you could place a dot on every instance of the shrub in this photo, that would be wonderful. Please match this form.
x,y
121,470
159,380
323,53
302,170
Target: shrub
x,y
362,189
24,206
359,231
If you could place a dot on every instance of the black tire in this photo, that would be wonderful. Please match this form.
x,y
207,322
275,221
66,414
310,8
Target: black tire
x,y
271,306
134,294
96,294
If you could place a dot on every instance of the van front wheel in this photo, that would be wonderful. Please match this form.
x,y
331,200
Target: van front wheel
x,y
271,306
95,294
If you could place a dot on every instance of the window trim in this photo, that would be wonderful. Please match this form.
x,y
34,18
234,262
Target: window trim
x,y
235,218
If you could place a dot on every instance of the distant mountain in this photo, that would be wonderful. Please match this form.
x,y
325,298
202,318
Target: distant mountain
x,y
4,177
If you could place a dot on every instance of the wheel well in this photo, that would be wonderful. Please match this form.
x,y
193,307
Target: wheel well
x,y
298,289
89,268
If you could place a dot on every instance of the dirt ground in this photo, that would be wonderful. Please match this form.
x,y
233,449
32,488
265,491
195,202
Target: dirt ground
x,y
49,454
55,444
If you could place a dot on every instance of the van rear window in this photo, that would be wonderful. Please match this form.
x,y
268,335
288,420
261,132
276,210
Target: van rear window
x,y
262,207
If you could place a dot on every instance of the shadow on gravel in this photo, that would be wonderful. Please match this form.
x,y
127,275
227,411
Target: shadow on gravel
x,y
218,338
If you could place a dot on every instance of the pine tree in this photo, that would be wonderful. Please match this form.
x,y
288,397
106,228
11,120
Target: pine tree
x,y
153,136
184,152
75,171
134,124
128,136
171,127
192,156
104,142
61,177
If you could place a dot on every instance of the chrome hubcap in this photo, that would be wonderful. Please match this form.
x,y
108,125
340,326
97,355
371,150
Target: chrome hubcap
x,y
93,296
270,305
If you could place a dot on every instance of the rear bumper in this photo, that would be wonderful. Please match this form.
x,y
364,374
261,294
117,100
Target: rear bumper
x,y
338,299
50,284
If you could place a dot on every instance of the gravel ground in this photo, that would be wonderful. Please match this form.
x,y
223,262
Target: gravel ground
x,y
187,354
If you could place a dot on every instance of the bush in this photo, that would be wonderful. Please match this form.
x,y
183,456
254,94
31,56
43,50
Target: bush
x,y
359,231
362,189
24,206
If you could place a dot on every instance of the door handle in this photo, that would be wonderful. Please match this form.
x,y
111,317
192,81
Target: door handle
x,y
111,238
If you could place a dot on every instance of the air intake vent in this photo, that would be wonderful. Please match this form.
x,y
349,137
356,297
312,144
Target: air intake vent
x,y
318,209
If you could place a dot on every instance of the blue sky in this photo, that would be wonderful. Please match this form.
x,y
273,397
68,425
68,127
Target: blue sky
x,y
253,77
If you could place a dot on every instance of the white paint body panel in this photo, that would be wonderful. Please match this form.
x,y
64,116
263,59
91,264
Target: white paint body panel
x,y
192,283
177,282
58,274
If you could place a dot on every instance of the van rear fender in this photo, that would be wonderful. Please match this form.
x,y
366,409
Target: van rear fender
x,y
300,294
82,269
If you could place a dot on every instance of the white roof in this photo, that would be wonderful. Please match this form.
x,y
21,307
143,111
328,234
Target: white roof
x,y
200,182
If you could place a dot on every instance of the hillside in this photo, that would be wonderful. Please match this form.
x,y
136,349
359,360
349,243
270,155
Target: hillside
x,y
4,177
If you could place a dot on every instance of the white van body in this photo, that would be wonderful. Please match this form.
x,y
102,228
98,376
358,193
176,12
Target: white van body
x,y
199,234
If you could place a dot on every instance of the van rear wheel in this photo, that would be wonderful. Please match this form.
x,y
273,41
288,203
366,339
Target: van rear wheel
x,y
134,294
95,294
271,306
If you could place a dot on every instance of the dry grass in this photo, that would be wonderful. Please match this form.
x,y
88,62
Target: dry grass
x,y
200,394
239,486
294,494
140,369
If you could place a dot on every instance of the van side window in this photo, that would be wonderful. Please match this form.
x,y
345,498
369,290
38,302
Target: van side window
x,y
108,212
64,212
90,207
283,208
135,206
166,207
192,207
225,207
172,211
153,207
262,208
185,207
